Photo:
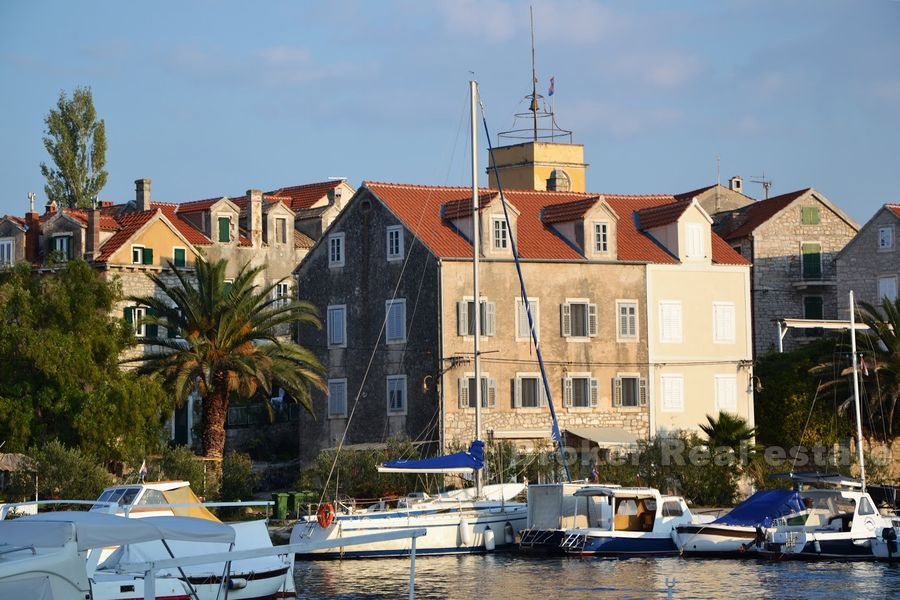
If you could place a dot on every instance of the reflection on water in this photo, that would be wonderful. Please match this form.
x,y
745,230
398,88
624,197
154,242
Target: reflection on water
x,y
512,576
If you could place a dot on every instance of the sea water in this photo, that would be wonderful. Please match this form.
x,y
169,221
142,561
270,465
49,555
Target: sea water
x,y
521,577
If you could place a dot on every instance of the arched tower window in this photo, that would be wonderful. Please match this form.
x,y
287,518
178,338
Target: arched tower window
x,y
558,181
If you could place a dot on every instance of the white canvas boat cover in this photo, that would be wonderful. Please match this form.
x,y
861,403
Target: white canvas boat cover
x,y
33,588
98,530
618,492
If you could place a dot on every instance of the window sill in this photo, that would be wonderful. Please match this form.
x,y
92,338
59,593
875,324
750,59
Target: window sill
x,y
578,339
581,409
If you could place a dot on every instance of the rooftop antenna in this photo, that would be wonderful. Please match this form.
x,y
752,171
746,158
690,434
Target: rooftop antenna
x,y
536,130
718,182
534,94
31,201
761,179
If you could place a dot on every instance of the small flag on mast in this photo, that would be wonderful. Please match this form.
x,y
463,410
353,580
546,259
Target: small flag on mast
x,y
552,82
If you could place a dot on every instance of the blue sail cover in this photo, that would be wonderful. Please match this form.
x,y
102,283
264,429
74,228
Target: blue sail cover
x,y
459,462
762,508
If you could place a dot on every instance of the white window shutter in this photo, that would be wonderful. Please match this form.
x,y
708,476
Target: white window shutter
x,y
462,311
565,312
490,311
521,319
592,320
491,393
567,391
542,393
642,391
617,392
463,392
595,393
517,393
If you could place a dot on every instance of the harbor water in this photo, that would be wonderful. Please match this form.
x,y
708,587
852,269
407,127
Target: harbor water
x,y
521,577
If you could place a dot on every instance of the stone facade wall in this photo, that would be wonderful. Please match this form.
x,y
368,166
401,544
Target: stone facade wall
x,y
862,263
365,282
779,287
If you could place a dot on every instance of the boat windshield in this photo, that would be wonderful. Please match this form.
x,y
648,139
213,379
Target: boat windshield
x,y
120,496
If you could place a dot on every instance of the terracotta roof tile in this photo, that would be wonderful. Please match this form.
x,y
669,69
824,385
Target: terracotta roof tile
x,y
462,207
657,216
304,196
754,215
129,224
689,195
568,211
107,222
197,205
17,220
420,208
723,254
301,240
894,208
190,233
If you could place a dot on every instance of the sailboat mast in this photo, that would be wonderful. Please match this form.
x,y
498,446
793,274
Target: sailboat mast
x,y
476,236
859,438
534,104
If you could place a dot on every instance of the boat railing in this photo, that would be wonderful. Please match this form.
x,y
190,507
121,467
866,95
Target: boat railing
x,y
114,507
151,568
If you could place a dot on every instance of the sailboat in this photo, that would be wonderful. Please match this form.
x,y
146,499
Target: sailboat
x,y
839,524
471,520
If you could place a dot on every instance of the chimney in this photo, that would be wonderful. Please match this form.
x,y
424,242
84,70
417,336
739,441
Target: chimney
x,y
736,184
32,236
92,249
142,194
51,206
255,218
338,192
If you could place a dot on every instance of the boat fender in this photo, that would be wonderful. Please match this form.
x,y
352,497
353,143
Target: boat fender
x,y
817,546
325,515
238,583
489,542
465,532
509,534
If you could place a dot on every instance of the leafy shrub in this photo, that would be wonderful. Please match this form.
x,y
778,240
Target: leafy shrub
x,y
62,472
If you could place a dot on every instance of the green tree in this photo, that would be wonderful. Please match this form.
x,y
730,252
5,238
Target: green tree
x,y
62,472
882,381
226,343
76,142
60,377
727,431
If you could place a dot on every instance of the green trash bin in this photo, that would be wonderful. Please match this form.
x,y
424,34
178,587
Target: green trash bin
x,y
281,505
294,504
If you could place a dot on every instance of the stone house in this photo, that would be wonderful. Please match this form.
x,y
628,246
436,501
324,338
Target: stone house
x,y
870,263
12,240
393,277
126,242
792,241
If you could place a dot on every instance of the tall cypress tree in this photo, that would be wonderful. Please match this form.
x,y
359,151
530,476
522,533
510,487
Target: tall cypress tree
x,y
76,141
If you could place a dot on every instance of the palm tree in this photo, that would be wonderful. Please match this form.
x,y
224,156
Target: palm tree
x,y
221,341
727,431
882,385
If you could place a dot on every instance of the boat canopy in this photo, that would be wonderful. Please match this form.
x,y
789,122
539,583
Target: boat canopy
x,y
459,462
762,508
97,530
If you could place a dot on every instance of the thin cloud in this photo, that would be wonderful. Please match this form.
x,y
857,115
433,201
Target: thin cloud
x,y
487,19
620,121
887,90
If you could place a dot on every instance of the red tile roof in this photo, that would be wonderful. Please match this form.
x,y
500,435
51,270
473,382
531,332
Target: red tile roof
x,y
301,240
420,209
894,208
190,233
107,222
197,205
129,224
754,215
692,193
304,196
568,211
723,254
462,208
17,220
665,214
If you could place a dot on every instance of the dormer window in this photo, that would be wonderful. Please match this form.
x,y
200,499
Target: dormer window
x,y
885,238
336,250
559,181
694,233
601,238
62,244
500,234
224,229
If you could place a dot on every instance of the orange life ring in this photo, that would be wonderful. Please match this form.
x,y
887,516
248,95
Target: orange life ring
x,y
325,515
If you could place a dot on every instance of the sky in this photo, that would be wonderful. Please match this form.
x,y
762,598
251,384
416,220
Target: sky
x,y
212,98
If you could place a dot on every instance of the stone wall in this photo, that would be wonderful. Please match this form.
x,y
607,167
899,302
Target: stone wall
x,y
779,288
863,262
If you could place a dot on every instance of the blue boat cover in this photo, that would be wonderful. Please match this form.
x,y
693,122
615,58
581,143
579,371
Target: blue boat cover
x,y
471,460
762,508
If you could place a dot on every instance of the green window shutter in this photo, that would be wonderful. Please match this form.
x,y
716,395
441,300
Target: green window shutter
x,y
812,261
151,329
224,229
813,307
147,256
179,258
809,215
129,315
